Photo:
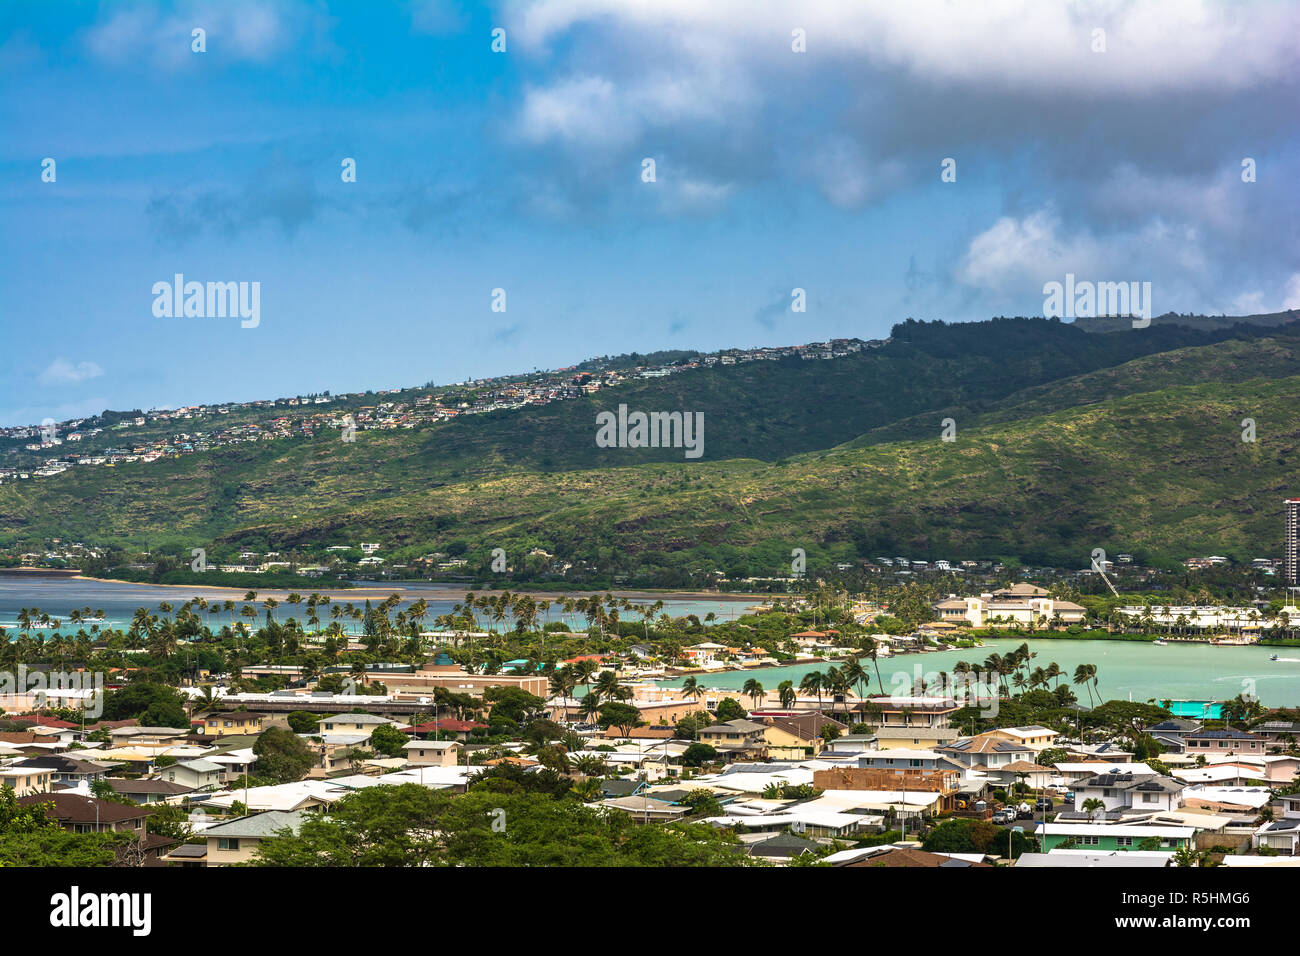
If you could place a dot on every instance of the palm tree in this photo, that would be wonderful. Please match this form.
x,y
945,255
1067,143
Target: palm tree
x,y
1092,805
563,683
814,682
1086,674
753,690
589,709
608,686
785,690
855,674
583,671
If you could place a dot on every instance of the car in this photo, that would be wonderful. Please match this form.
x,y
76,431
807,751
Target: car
x,y
1005,815
1043,803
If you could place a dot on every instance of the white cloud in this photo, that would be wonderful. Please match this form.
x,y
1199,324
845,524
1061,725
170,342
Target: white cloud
x,y
1256,301
1292,298
595,111
583,110
1154,45
236,30
63,372
1014,251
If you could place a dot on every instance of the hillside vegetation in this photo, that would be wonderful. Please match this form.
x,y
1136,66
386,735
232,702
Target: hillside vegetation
x,y
1065,441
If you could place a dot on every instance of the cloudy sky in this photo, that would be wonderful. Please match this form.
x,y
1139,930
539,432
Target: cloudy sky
x,y
1114,155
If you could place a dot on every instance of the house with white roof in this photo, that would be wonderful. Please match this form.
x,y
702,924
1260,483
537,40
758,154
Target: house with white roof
x,y
1121,837
1225,774
284,797
355,724
1071,771
1033,736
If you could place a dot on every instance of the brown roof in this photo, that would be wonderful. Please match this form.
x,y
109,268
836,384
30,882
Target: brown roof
x,y
22,737
74,808
649,733
905,856
803,726
148,786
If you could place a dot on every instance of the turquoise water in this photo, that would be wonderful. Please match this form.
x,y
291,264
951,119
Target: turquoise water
x,y
1125,669
1192,672
57,596
1196,708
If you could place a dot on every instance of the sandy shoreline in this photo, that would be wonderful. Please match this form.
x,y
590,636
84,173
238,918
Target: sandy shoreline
x,y
412,589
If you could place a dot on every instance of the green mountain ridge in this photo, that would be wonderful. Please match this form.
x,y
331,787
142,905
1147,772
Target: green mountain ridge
x,y
1063,437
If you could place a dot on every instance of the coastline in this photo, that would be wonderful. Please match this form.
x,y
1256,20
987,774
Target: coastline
x,y
454,593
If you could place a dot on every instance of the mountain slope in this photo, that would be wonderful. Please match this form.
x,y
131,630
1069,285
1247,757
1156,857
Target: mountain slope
x,y
1164,472
1232,361
1039,466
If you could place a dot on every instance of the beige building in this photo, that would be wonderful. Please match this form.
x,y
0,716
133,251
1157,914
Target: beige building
x,y
923,738
433,753
25,781
237,840
458,681
147,736
1020,604
362,725
736,738
231,723
1034,737
797,737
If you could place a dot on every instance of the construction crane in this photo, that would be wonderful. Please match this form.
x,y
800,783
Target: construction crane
x,y
1099,565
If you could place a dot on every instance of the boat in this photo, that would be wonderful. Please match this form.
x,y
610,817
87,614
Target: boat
x,y
1273,658
1159,642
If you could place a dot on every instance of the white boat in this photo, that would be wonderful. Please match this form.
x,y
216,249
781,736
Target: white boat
x,y
1159,643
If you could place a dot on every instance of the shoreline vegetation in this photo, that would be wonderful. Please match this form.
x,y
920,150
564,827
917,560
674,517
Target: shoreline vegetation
x,y
382,589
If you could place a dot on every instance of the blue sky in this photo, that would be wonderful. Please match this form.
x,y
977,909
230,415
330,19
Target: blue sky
x,y
522,170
